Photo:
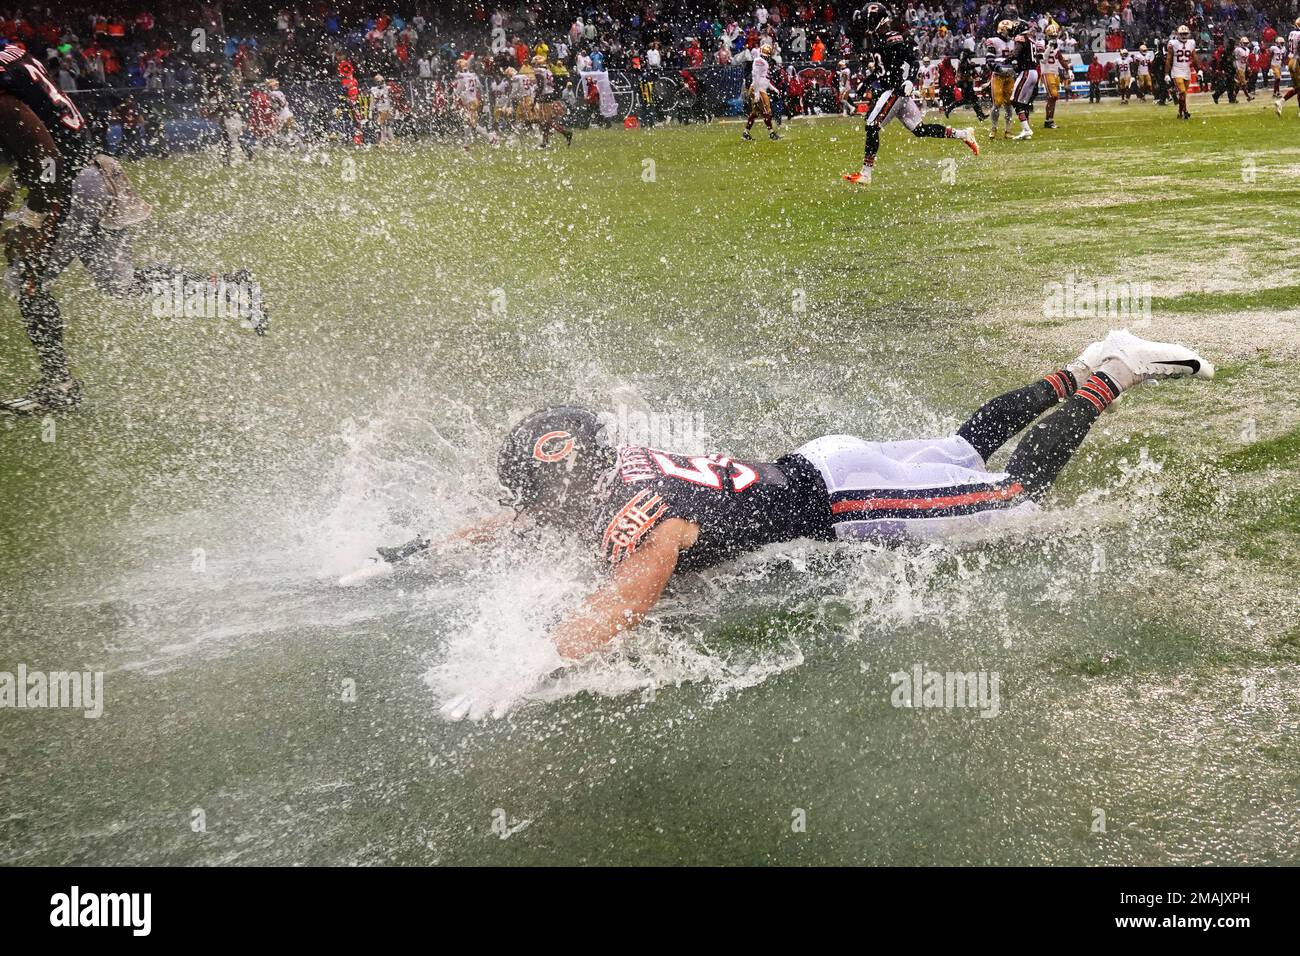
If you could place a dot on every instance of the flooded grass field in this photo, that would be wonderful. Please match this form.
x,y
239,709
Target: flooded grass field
x,y
183,532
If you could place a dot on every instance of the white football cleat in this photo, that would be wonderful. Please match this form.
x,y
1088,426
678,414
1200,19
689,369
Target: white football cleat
x,y
1277,107
1024,134
862,178
1145,359
967,136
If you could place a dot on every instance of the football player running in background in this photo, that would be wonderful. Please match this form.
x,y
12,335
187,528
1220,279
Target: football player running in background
x,y
1055,62
1180,60
897,54
79,205
758,95
967,74
1024,57
286,129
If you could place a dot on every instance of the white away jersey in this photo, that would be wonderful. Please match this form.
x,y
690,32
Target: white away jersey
x,y
467,88
1183,51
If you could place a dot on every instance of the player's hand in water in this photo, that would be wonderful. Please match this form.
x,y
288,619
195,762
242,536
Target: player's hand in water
x,y
494,703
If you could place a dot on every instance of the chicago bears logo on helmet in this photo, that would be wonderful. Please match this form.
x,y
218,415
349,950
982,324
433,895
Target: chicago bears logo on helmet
x,y
553,446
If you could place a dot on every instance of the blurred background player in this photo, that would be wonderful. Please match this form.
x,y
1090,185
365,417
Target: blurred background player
x,y
1142,64
381,109
1055,62
220,103
286,130
1180,60
79,205
1276,60
1293,61
1124,76
758,94
1002,75
929,81
469,101
1024,57
548,107
967,75
897,55
844,82
1241,70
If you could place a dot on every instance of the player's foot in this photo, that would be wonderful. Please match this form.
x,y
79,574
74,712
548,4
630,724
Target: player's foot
x,y
60,395
1024,134
746,137
568,136
1049,124
967,136
773,135
1143,359
860,178
1277,107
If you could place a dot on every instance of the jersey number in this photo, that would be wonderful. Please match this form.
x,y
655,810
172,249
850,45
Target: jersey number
x,y
70,117
707,470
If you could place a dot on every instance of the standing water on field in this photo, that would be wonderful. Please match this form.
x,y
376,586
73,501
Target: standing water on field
x,y
1131,664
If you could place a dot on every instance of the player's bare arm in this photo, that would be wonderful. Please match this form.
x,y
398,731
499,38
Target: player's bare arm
x,y
633,589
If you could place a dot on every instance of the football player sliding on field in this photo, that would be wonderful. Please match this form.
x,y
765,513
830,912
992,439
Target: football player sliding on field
x,y
650,514
1180,60
899,66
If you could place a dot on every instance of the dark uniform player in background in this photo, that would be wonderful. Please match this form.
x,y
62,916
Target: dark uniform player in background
x,y
650,513
221,103
79,204
898,69
1024,57
967,74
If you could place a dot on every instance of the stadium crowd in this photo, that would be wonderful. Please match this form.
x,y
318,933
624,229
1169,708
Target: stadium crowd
x,y
232,57
155,48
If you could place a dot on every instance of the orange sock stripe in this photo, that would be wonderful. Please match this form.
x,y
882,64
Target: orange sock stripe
x,y
1096,402
1102,388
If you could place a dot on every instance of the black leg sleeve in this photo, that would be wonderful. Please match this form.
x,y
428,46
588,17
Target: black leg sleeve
x,y
937,130
997,420
45,329
1043,452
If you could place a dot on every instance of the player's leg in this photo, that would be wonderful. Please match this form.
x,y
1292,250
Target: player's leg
x,y
911,116
998,420
1022,96
884,109
29,282
1116,364
765,110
